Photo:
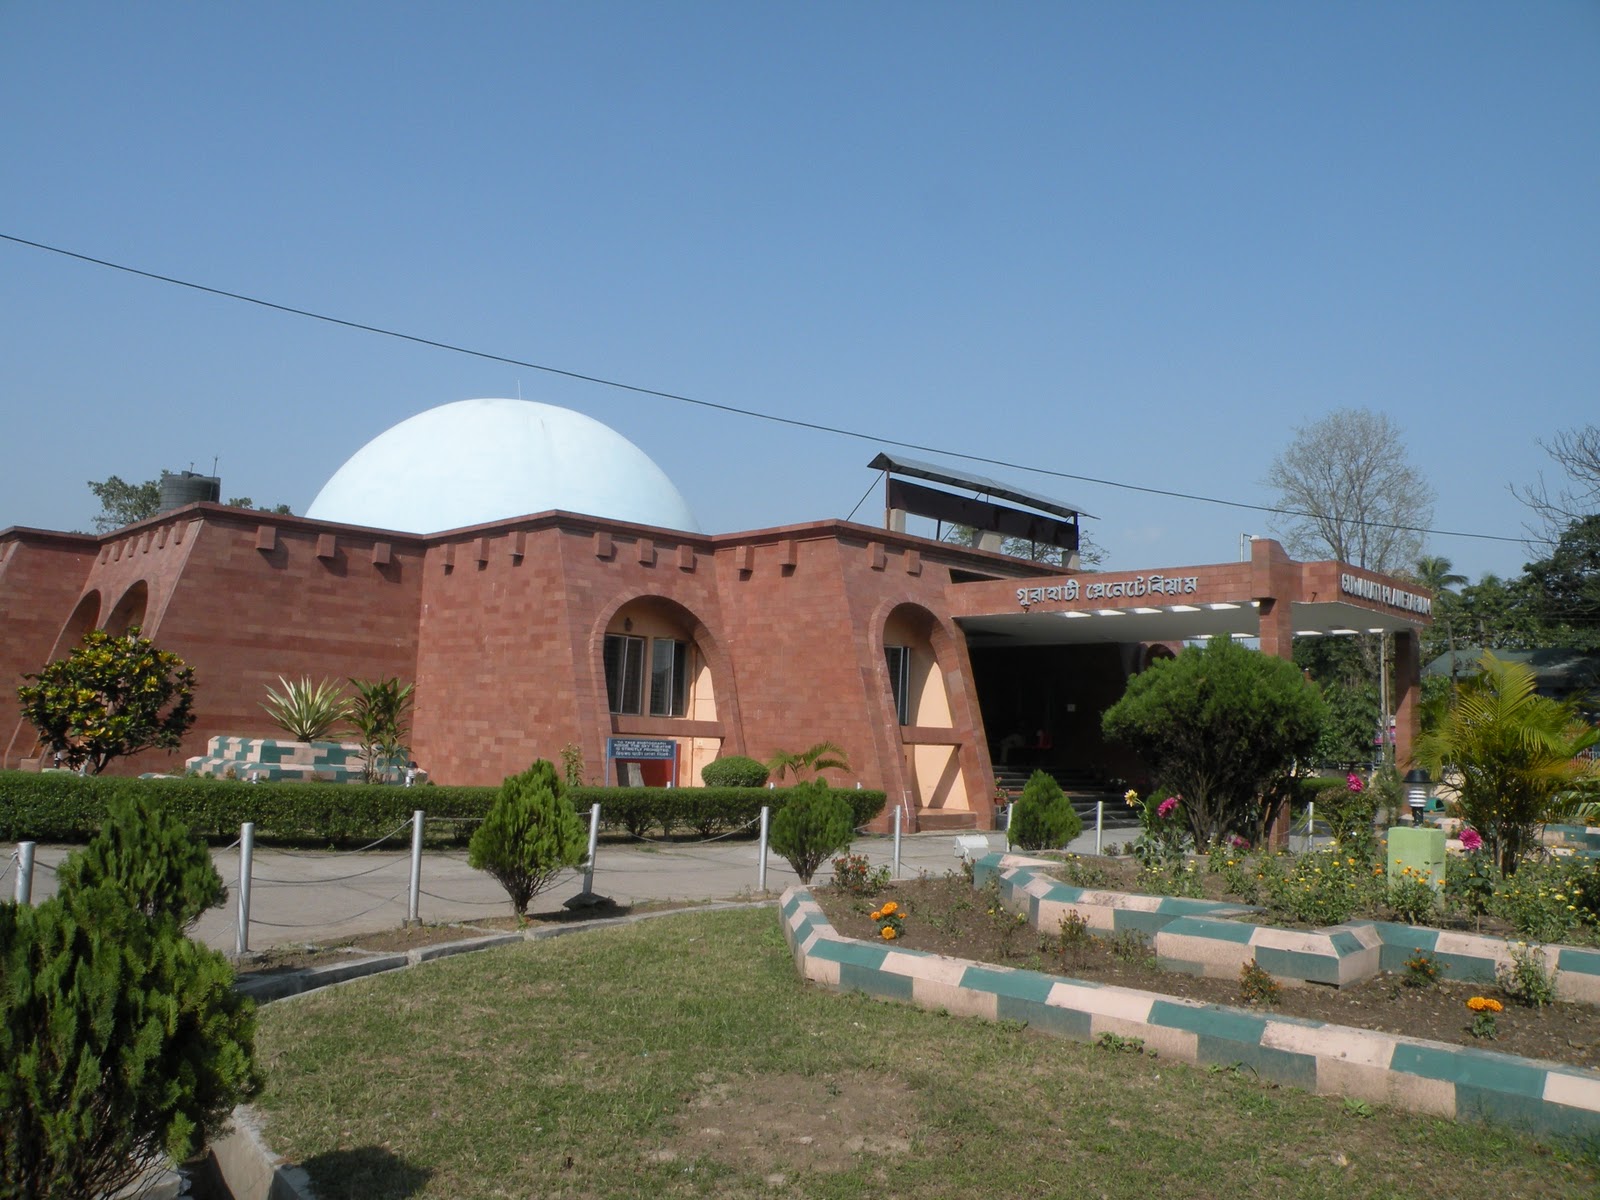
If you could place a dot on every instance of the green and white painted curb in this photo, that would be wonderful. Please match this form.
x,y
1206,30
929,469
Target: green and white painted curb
x,y
1410,1073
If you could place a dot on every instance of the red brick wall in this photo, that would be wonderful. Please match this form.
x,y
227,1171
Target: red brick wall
x,y
41,578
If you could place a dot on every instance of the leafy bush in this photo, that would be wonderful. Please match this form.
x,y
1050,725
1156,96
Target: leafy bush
x,y
1218,725
121,1041
155,860
734,770
1540,901
530,835
813,825
1348,809
1322,888
1043,818
114,695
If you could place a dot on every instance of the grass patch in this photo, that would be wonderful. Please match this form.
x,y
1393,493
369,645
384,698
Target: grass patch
x,y
683,1057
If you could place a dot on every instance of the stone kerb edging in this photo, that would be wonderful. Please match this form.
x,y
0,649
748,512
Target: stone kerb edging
x,y
249,1167
1206,937
1410,1073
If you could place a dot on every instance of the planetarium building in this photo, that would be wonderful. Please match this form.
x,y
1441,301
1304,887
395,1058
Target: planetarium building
x,y
544,584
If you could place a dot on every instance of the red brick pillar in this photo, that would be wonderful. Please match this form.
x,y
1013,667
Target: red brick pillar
x,y
1408,695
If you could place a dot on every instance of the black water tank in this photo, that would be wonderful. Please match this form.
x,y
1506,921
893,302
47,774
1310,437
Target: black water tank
x,y
186,487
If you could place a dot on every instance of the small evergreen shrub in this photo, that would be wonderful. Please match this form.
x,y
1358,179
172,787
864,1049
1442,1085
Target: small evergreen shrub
x,y
529,836
734,770
158,863
1043,819
121,1041
815,824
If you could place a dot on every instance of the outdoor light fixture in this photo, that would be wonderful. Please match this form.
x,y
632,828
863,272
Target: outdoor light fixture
x,y
1184,608
1419,790
1219,605
1147,611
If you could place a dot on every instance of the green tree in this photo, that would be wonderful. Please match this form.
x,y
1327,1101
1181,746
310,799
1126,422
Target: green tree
x,y
1567,586
1043,818
115,695
529,836
380,714
815,824
123,503
121,1040
157,862
1217,725
307,711
247,502
812,761
1515,754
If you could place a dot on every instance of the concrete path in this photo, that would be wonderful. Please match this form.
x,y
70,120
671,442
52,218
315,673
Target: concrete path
x,y
300,896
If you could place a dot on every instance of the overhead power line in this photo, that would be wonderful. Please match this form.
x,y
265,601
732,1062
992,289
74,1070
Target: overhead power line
x,y
734,410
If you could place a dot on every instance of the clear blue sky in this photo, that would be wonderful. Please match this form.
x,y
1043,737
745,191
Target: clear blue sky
x,y
1138,242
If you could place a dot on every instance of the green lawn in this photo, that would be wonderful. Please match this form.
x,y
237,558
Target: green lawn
x,y
683,1057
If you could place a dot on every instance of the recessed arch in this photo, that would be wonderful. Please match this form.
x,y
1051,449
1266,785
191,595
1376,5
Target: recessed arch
x,y
84,618
129,610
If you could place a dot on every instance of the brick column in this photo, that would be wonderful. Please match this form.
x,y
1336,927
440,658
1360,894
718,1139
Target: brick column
x,y
1408,695
1277,628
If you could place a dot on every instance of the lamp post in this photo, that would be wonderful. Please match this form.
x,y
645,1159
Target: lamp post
x,y
1419,787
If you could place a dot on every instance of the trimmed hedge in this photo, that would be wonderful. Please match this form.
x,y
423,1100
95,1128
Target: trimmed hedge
x,y
59,807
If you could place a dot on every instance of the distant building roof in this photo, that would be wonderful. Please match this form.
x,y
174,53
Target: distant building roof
x,y
1557,672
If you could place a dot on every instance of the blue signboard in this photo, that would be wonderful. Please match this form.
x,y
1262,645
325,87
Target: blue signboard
x,y
642,749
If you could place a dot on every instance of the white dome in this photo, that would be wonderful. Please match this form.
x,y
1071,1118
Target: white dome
x,y
477,461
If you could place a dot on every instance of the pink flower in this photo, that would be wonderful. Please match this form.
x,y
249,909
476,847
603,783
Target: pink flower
x,y
1239,843
1471,839
1352,781
1164,810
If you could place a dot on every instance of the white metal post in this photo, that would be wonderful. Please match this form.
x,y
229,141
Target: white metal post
x,y
761,863
1311,824
898,810
416,869
24,892
594,840
1099,823
247,849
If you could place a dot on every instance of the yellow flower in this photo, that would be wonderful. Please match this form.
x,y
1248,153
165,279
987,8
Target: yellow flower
x,y
1479,1004
891,907
877,916
888,933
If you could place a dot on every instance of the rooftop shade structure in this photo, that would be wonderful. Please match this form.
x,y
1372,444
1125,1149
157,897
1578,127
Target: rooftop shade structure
x,y
914,469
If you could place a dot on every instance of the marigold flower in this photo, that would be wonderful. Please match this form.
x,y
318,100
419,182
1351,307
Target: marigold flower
x,y
1479,1004
891,907
888,933
878,916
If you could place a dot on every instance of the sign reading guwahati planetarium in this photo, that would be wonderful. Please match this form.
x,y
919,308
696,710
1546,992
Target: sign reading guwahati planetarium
x,y
1371,589
1112,589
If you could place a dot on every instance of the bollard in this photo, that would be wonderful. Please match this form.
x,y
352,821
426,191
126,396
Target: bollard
x,y
1311,824
761,863
594,840
24,892
416,869
898,809
247,849
1099,823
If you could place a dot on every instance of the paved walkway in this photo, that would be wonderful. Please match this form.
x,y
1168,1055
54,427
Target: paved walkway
x,y
300,896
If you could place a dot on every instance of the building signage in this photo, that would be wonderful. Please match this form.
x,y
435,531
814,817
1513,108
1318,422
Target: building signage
x,y
642,749
1112,589
1371,589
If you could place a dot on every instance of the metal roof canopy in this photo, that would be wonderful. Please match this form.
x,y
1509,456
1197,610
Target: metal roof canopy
x,y
989,487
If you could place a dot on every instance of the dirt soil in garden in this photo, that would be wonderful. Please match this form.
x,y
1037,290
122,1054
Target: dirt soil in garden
x,y
948,916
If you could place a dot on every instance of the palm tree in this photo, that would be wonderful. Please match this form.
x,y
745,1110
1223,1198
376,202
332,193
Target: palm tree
x,y
1518,756
1438,575
381,717
824,756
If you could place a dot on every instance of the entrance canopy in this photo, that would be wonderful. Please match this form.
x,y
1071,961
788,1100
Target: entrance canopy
x,y
1271,597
